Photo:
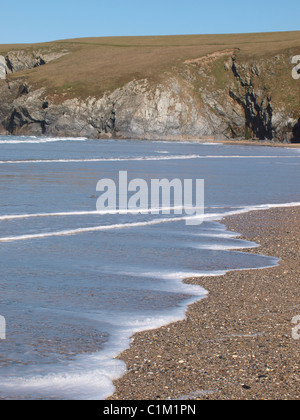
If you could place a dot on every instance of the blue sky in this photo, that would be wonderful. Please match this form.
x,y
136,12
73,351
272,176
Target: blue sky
x,y
40,21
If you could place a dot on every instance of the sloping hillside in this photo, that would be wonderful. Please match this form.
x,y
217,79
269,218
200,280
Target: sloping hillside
x,y
153,87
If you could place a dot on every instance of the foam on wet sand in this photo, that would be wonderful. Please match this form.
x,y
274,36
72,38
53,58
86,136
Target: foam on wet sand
x,y
237,343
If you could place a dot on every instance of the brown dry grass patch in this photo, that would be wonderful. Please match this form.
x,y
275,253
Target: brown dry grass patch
x,y
96,65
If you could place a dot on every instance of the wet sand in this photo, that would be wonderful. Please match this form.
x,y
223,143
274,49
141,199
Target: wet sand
x,y
258,143
237,343
213,139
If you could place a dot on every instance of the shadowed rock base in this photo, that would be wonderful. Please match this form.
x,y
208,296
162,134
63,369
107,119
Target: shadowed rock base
x,y
296,133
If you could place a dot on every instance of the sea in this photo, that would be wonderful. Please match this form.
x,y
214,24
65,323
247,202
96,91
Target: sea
x,y
76,283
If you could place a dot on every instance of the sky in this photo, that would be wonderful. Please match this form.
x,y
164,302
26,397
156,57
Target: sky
x,y
42,21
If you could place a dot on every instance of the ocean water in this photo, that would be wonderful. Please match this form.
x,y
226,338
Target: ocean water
x,y
76,285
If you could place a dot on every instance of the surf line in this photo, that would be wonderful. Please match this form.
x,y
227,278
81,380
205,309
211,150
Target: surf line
x,y
91,229
91,213
137,159
208,216
35,140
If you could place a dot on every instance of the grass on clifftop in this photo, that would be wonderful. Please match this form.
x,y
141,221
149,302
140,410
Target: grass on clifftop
x,y
96,65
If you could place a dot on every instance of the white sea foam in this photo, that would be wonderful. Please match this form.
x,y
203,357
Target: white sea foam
x,y
93,380
77,231
90,213
83,230
227,247
87,377
221,235
142,158
91,377
37,140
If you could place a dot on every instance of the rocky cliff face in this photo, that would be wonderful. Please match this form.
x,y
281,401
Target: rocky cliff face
x,y
218,95
265,118
16,61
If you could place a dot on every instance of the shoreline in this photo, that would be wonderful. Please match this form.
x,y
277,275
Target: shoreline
x,y
179,139
237,343
231,142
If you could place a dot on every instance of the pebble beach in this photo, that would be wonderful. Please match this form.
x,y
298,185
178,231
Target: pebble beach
x,y
236,344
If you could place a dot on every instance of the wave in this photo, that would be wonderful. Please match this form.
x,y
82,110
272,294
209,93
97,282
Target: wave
x,y
120,159
71,232
92,376
142,158
208,217
37,140
92,213
88,377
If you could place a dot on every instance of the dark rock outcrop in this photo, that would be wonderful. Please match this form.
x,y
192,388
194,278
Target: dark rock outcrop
x,y
25,60
172,109
256,103
296,133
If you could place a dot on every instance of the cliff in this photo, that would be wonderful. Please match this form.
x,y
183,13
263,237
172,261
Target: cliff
x,y
222,92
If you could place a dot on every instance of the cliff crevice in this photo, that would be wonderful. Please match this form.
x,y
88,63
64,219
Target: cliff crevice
x,y
221,95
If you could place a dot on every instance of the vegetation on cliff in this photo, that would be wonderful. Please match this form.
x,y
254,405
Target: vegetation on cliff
x,y
238,85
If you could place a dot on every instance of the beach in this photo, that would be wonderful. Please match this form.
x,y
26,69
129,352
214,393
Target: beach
x,y
85,283
237,343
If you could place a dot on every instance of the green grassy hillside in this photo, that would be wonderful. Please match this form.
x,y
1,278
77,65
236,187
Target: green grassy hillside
x,y
95,65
